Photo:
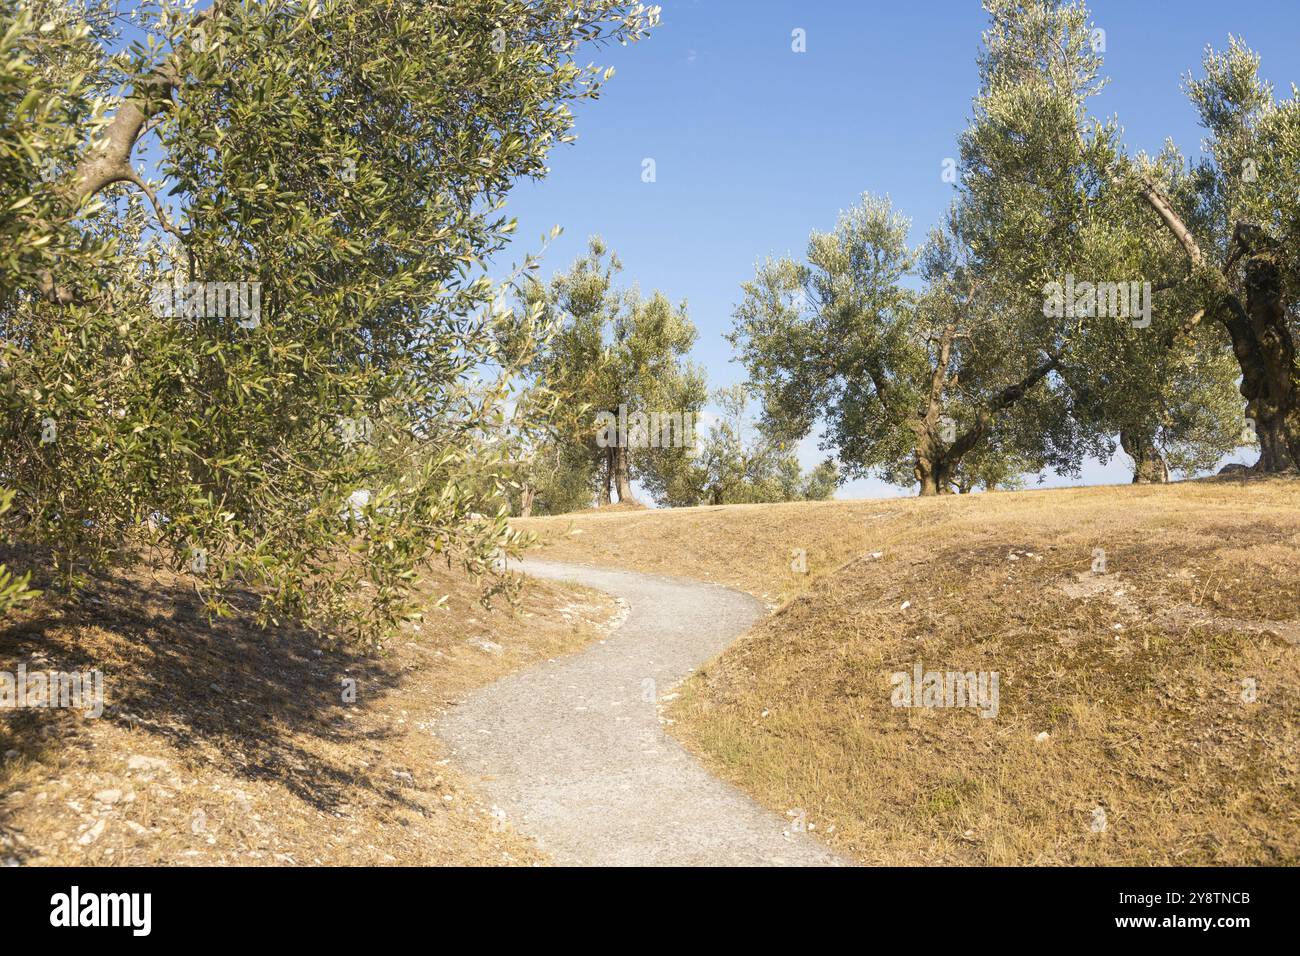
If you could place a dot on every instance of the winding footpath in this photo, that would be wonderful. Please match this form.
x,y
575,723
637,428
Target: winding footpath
x,y
572,752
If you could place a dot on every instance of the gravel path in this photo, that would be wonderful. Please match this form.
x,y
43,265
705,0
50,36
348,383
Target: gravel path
x,y
573,753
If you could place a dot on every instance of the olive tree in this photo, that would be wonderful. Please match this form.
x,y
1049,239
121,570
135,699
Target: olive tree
x,y
737,462
279,373
908,382
1235,219
617,365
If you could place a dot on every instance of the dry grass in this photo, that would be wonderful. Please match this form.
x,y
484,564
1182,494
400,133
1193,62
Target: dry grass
x,y
1136,675
244,750
615,508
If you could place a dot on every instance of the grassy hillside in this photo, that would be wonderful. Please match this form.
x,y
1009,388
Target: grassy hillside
x,y
1149,710
225,744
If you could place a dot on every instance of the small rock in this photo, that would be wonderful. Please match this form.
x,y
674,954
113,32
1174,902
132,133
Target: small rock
x,y
1043,738
94,833
141,762
108,796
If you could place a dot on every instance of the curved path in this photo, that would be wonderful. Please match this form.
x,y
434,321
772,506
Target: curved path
x,y
572,752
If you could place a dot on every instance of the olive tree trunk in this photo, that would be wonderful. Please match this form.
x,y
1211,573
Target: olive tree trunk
x,y
1149,466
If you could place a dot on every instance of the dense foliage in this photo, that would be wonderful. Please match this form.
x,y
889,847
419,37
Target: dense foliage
x,y
244,313
1052,316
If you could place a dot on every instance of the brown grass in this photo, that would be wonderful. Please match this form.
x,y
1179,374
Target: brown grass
x,y
253,756
1136,675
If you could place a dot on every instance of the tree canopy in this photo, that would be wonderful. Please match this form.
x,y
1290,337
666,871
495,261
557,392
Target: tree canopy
x,y
1050,316
244,313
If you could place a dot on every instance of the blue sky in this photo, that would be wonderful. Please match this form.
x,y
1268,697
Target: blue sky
x,y
755,145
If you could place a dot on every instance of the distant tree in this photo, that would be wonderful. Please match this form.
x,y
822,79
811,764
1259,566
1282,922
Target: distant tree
x,y
909,382
555,477
617,365
818,484
990,468
738,464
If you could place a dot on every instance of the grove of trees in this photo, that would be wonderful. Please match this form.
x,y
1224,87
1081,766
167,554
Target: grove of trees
x,y
246,320
958,364
617,358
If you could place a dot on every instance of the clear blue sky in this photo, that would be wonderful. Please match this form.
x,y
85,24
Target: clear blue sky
x,y
755,145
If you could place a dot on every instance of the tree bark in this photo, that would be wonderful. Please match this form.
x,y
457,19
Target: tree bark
x,y
1266,345
526,496
927,476
623,475
935,473
607,479
1149,466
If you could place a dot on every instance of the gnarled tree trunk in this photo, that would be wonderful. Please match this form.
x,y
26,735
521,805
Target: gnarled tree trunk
x,y
1149,466
934,472
937,461
1270,380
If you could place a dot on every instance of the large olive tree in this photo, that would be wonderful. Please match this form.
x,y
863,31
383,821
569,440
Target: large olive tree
x,y
323,182
1235,218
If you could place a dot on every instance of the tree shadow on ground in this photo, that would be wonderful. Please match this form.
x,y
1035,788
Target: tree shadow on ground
x,y
262,705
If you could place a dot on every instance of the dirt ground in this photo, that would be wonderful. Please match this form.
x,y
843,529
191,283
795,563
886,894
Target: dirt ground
x,y
224,744
1145,639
